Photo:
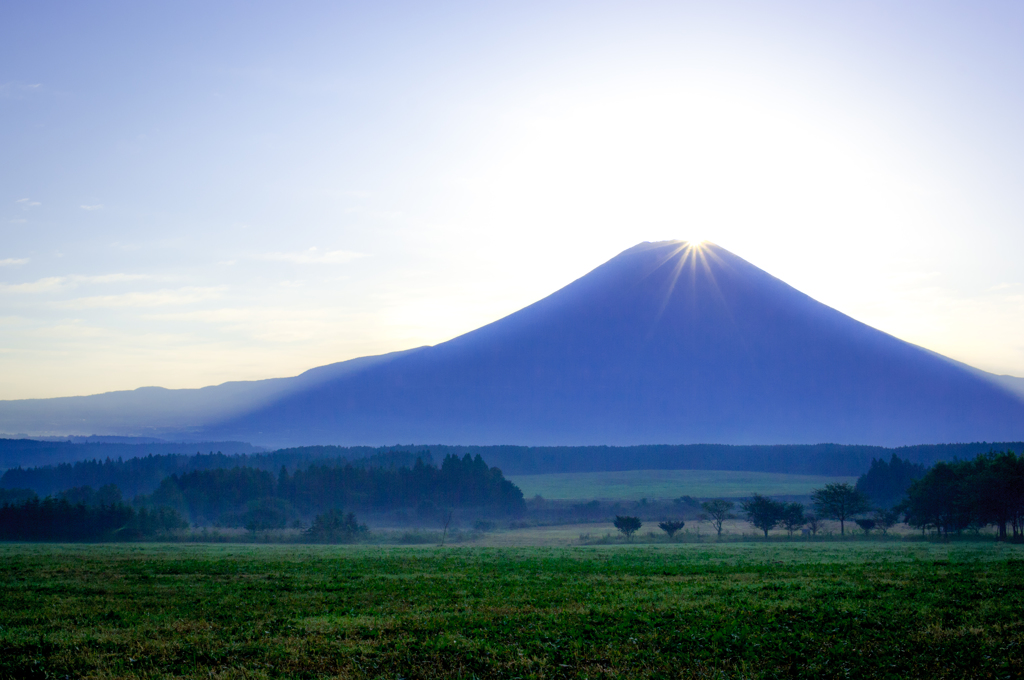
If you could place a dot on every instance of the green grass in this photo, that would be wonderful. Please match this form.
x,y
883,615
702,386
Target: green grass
x,y
633,485
741,610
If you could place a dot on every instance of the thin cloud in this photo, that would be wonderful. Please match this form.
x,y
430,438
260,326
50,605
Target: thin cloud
x,y
98,206
53,283
27,203
15,90
13,261
46,285
160,298
111,278
313,256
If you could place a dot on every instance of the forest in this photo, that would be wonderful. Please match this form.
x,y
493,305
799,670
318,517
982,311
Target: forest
x,y
143,474
56,519
255,499
246,496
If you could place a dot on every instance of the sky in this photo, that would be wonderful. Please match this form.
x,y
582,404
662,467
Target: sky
x,y
196,192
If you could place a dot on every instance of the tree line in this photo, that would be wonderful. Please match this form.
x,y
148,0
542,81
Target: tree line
x,y
139,468
142,475
971,494
254,498
840,502
57,519
949,497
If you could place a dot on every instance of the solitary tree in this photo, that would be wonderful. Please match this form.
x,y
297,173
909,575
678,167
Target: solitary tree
x,y
716,512
671,526
840,502
763,512
793,517
628,525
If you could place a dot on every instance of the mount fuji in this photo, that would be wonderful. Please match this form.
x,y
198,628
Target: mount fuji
x,y
667,342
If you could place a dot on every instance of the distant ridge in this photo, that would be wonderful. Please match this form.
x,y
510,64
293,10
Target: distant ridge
x,y
142,474
667,343
15,452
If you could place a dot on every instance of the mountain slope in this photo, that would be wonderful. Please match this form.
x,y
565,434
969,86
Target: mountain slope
x,y
663,343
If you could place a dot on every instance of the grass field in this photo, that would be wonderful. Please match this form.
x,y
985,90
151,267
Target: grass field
x,y
736,610
632,485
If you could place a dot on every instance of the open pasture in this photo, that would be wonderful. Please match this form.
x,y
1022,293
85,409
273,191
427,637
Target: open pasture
x,y
813,610
632,485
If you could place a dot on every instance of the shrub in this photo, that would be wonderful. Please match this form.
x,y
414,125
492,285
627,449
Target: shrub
x,y
628,525
670,527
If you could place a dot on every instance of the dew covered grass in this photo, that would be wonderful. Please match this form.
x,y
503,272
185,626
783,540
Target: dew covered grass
x,y
736,610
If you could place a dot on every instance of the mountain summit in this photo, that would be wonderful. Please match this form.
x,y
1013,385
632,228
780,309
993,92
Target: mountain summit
x,y
666,343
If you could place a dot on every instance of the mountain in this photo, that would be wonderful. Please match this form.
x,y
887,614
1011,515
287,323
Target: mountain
x,y
665,343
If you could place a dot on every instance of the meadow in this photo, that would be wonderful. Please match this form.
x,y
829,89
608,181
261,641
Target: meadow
x,y
632,485
831,609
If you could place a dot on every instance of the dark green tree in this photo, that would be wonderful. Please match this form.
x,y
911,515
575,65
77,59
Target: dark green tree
x,y
671,526
885,483
716,512
793,517
941,500
628,525
839,502
995,488
763,512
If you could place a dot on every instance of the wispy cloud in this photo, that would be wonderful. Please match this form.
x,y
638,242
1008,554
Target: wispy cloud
x,y
27,203
111,278
1001,286
313,256
159,298
15,90
98,206
13,261
54,283
46,285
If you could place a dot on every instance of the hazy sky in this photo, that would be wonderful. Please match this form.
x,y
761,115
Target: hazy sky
x,y
194,192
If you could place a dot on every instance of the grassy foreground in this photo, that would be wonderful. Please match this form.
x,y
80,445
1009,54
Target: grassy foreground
x,y
682,611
